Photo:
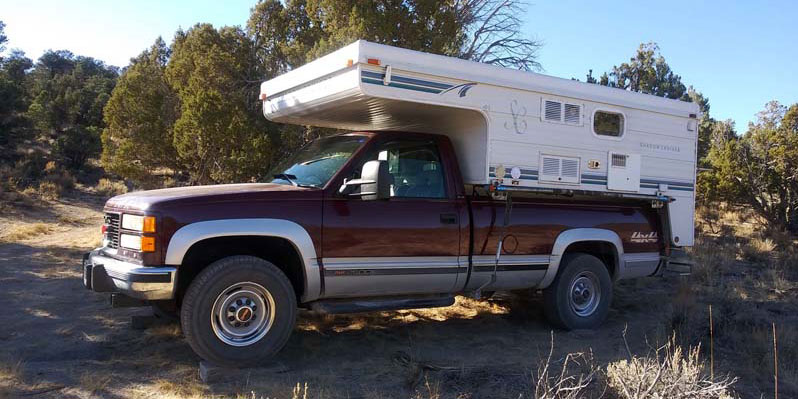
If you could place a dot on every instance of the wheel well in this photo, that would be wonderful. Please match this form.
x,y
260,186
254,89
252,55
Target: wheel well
x,y
603,250
276,250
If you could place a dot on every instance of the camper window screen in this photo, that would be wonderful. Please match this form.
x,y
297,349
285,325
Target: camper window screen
x,y
608,124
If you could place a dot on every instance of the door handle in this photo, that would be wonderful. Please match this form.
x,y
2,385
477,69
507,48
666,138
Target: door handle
x,y
448,218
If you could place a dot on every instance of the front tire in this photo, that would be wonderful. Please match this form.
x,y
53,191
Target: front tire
x,y
580,295
239,311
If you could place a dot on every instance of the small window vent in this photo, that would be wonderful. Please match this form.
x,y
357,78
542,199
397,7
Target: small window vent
x,y
619,160
551,166
553,111
570,168
556,169
573,114
559,112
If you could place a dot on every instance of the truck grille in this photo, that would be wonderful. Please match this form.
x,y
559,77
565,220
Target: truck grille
x,y
112,221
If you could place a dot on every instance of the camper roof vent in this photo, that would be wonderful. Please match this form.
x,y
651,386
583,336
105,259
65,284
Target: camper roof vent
x,y
557,169
559,112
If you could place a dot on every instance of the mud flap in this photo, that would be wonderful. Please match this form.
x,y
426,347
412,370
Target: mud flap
x,y
679,262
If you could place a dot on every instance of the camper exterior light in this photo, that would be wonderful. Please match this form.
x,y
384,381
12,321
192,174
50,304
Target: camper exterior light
x,y
373,61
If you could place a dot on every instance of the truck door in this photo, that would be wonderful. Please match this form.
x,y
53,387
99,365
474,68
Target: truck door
x,y
406,244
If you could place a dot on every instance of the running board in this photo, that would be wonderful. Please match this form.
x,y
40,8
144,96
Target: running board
x,y
336,306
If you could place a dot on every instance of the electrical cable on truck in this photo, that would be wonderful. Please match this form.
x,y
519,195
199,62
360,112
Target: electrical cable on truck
x,y
508,208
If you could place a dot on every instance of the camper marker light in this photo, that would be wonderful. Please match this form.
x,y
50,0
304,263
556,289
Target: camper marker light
x,y
373,61
349,63
263,96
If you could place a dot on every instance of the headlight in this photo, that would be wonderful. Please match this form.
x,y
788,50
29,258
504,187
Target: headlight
x,y
137,243
130,241
138,223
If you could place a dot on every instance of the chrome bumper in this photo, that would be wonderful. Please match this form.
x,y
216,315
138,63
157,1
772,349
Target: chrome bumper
x,y
105,274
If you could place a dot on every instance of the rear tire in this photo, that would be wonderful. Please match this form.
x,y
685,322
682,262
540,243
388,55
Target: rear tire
x,y
239,311
580,295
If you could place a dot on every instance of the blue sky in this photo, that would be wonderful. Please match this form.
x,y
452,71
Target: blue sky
x,y
739,54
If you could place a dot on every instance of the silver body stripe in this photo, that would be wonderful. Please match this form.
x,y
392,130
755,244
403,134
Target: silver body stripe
x,y
390,262
480,260
641,257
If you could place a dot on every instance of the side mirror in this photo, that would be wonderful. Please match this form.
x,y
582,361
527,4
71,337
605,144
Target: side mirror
x,y
374,182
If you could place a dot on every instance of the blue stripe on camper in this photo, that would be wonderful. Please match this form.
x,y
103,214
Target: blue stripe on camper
x,y
404,79
523,177
401,86
529,174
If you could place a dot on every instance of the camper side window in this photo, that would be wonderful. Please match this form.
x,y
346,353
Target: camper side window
x,y
607,123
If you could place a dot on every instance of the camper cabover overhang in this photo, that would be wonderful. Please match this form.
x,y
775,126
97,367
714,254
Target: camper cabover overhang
x,y
510,128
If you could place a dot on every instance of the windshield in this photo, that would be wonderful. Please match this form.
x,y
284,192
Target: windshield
x,y
317,162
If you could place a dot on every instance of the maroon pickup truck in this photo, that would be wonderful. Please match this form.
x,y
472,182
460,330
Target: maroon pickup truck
x,y
360,222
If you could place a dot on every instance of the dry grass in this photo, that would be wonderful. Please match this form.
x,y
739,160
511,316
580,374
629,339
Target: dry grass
x,y
70,220
12,370
749,274
567,383
188,388
11,376
24,231
95,382
668,372
463,308
109,188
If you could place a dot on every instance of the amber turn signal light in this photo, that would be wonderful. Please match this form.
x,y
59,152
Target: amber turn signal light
x,y
148,225
147,244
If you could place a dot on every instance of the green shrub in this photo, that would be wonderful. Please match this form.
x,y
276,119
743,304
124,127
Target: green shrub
x,y
108,188
49,190
74,146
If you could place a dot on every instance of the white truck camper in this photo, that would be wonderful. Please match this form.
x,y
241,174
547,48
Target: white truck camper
x,y
512,130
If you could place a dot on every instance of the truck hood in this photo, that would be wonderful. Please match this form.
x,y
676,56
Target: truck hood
x,y
150,199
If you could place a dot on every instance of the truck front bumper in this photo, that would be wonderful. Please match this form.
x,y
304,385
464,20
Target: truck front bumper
x,y
102,273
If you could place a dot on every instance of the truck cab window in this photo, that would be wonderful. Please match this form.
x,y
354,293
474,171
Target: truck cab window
x,y
415,168
317,162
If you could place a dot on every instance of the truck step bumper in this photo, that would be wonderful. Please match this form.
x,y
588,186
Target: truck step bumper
x,y
105,274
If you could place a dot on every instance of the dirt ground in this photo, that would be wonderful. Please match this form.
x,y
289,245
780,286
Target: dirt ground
x,y
61,341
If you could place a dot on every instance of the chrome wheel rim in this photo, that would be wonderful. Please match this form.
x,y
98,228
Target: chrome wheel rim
x,y
242,314
584,294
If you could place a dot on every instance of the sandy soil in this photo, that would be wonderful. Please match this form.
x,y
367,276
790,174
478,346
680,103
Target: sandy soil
x,y
62,341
